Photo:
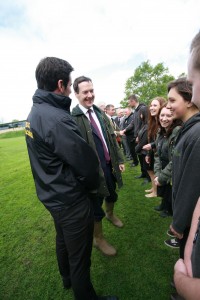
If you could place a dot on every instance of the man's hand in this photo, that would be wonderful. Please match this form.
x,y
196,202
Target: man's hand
x,y
178,235
147,147
180,267
122,132
122,167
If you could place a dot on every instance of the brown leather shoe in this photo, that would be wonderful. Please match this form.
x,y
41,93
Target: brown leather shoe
x,y
114,220
100,242
102,245
110,215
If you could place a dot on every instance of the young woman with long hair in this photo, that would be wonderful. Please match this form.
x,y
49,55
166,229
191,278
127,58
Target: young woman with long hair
x,y
153,125
166,137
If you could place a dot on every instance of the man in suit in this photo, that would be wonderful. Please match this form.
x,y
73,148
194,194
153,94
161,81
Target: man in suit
x,y
110,112
119,118
96,129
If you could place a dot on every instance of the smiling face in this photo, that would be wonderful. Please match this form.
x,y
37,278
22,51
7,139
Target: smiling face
x,y
85,94
154,107
177,105
194,78
166,118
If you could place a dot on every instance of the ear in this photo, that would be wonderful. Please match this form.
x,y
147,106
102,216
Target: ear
x,y
60,86
189,104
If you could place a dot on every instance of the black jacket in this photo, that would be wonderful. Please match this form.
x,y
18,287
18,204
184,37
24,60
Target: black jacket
x,y
136,122
65,168
186,173
142,140
129,130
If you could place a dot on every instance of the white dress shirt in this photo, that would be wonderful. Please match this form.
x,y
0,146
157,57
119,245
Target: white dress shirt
x,y
85,111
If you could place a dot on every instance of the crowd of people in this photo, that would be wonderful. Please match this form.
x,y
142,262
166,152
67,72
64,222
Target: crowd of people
x,y
77,159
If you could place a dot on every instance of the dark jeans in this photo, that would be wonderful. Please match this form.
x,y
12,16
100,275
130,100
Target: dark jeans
x,y
74,235
111,185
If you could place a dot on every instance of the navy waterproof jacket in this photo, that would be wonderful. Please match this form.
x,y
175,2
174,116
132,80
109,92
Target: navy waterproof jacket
x,y
65,168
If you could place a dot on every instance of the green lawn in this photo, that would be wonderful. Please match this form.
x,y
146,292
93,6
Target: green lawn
x,y
142,269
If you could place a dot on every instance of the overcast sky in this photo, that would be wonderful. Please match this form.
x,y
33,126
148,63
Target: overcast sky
x,y
102,39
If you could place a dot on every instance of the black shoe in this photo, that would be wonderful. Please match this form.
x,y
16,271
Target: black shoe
x,y
172,284
133,165
172,243
140,176
67,284
176,296
145,181
108,298
128,158
165,214
158,208
170,233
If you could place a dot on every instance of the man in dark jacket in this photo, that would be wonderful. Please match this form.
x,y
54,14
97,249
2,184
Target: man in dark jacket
x,y
65,171
135,126
97,131
130,136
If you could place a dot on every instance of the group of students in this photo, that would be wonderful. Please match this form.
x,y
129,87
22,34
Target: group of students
x,y
169,150
65,157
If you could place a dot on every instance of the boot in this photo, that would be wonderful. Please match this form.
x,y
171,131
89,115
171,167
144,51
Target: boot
x,y
100,242
110,215
161,206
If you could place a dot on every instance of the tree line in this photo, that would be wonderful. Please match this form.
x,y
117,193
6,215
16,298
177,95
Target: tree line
x,y
148,82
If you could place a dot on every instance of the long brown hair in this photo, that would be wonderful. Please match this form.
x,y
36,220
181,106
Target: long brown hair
x,y
153,123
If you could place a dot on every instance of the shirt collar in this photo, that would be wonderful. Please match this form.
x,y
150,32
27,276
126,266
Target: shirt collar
x,y
109,116
85,110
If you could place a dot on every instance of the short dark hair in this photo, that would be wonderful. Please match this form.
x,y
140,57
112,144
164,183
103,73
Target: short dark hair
x,y
78,80
50,70
133,97
195,48
108,106
183,88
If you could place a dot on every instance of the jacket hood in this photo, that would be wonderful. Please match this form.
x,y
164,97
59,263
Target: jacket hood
x,y
59,101
188,124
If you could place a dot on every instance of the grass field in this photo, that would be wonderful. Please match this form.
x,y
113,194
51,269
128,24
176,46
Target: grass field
x,y
142,269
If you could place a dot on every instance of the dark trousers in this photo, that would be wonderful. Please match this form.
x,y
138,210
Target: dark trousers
x,y
111,185
74,235
144,172
165,192
131,144
125,146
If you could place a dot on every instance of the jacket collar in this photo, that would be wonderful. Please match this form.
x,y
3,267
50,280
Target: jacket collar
x,y
59,101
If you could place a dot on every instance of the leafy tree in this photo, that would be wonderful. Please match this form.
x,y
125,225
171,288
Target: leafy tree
x,y
147,82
